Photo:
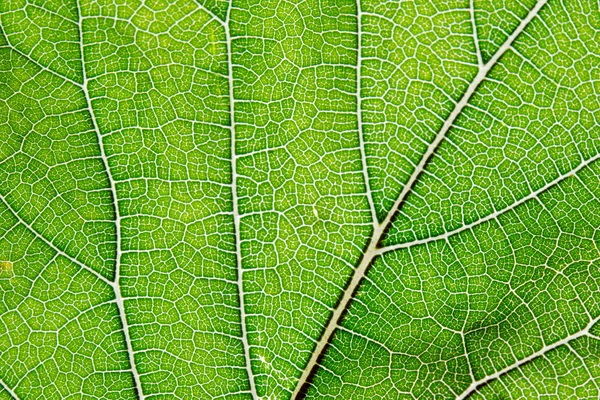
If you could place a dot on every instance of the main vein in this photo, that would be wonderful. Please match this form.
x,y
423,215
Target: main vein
x,y
116,284
372,249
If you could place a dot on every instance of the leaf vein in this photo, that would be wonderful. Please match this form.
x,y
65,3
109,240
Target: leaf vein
x,y
40,66
8,390
236,214
53,246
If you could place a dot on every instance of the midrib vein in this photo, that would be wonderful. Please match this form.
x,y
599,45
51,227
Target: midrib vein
x,y
236,214
380,229
119,301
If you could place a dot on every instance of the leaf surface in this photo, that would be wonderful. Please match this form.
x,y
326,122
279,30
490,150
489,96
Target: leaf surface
x,y
323,199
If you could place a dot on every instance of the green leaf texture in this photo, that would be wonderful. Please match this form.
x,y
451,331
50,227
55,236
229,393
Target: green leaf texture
x,y
316,199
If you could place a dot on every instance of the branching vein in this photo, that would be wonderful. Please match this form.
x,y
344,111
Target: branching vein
x,y
52,246
372,250
40,66
477,384
475,35
363,150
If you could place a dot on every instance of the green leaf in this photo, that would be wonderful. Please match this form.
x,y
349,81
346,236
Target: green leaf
x,y
324,199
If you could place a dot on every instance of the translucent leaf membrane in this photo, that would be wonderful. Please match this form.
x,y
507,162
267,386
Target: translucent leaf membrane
x,y
304,213
532,120
60,334
218,8
186,189
158,85
568,372
545,146
418,59
50,167
5,395
46,32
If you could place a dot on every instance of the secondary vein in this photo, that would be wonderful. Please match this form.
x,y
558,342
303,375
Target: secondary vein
x,y
475,385
236,214
363,149
52,246
475,35
40,66
8,390
494,215
119,301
